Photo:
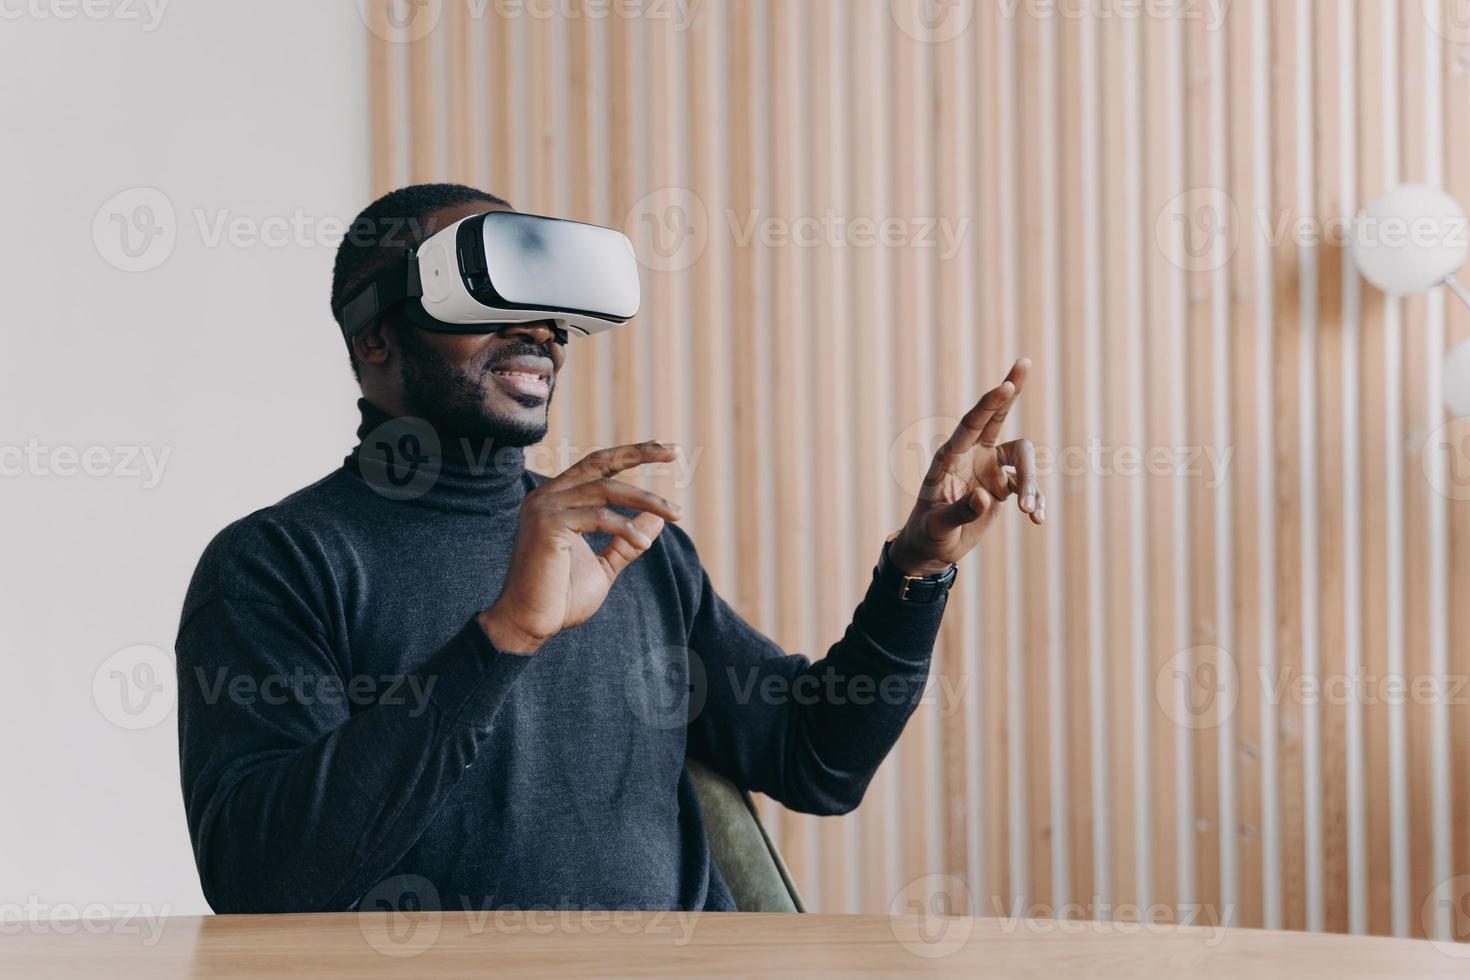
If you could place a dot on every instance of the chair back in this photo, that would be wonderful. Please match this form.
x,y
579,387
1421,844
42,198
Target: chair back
x,y
747,858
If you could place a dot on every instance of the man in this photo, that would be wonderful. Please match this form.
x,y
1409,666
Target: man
x,y
452,679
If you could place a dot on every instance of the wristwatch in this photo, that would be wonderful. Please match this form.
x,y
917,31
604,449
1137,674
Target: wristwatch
x,y
918,589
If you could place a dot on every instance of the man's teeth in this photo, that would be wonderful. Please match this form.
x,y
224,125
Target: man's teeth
x,y
521,374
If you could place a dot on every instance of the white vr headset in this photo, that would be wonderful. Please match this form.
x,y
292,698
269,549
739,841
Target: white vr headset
x,y
503,267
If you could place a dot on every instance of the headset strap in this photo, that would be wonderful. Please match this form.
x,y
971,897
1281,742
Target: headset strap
x,y
394,285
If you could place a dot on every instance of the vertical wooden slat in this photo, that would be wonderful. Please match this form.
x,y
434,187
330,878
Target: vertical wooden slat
x,y
1048,422
749,285
507,123
1287,126
547,154
911,352
1199,828
1019,776
1224,810
1250,298
832,451
1161,135
1417,496
1265,273
1457,331
1036,305
873,316
1349,373
1176,348
745,118
386,94
1089,817
1327,592
1307,544
957,329
667,313
904,348
1369,66
627,145
1438,918
996,257
1309,562
1115,330
710,321
1070,762
426,133
1395,315
585,369
461,96
540,134
789,458
1146,724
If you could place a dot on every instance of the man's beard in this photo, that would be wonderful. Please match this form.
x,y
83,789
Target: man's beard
x,y
454,403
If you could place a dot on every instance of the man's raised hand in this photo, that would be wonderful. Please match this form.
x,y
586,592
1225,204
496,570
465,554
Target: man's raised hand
x,y
555,580
971,475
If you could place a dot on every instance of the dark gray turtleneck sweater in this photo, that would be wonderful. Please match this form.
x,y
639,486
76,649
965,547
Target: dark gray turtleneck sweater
x,y
345,726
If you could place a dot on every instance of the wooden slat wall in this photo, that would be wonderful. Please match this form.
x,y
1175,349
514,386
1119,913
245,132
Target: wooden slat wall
x,y
1060,766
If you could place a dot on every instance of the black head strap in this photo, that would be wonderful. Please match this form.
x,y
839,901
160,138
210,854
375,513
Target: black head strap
x,y
392,286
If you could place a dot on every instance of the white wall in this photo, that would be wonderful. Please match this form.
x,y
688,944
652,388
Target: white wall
x,y
223,357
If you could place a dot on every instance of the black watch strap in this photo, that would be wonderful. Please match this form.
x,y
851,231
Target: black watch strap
x,y
918,589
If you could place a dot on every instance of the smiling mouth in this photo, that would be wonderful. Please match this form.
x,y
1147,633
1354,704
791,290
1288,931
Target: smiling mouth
x,y
524,381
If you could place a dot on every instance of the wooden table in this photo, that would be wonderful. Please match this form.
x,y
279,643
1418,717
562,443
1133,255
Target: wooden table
x,y
594,944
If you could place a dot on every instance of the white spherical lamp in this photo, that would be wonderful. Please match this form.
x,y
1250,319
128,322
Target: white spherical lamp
x,y
1410,239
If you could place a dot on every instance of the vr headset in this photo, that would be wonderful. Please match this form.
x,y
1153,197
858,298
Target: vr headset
x,y
502,267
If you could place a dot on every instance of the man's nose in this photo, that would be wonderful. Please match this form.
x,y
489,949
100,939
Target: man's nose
x,y
538,333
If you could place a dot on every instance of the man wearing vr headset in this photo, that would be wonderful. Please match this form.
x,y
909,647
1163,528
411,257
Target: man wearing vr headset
x,y
434,677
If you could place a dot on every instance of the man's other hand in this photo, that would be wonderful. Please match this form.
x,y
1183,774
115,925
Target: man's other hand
x,y
555,580
971,476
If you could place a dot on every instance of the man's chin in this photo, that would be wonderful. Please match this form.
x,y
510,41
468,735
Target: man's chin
x,y
514,429
528,415
523,429
513,438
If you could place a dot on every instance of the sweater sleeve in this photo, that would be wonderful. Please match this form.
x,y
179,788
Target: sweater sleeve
x,y
810,735
304,786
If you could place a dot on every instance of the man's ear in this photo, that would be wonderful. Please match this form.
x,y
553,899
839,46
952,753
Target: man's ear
x,y
371,345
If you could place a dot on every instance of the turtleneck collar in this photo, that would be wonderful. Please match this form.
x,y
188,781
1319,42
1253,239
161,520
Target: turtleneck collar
x,y
406,459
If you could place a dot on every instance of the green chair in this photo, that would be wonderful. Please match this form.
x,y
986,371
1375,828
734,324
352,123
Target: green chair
x,y
742,850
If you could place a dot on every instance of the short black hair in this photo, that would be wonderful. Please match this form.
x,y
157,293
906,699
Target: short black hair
x,y
387,228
